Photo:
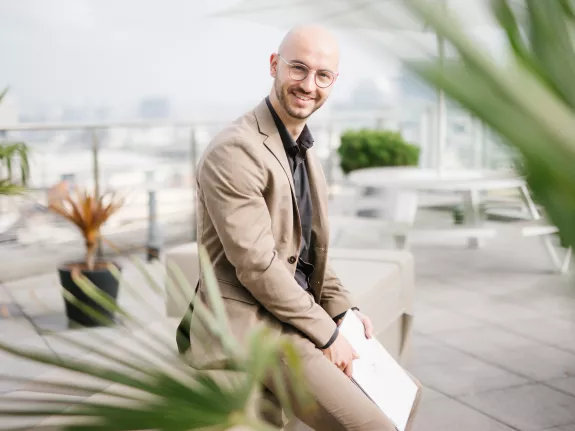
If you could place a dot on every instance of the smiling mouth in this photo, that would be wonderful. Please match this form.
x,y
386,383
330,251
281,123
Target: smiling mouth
x,y
303,98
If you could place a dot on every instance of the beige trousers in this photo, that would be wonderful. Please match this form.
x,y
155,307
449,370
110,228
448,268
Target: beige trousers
x,y
340,404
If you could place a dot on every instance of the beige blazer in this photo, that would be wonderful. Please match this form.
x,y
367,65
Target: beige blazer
x,y
249,224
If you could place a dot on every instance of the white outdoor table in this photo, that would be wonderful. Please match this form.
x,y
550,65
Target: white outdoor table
x,y
406,182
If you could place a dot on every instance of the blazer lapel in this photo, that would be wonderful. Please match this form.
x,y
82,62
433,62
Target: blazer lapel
x,y
273,141
318,190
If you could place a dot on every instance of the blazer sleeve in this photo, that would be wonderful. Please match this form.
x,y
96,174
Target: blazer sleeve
x,y
335,298
233,180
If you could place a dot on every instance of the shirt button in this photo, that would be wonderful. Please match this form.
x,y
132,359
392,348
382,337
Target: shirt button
x,y
292,259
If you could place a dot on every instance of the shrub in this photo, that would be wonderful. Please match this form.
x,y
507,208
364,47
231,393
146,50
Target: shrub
x,y
372,148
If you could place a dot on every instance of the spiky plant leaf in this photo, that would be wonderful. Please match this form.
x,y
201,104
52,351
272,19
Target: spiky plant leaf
x,y
529,101
160,390
11,184
88,213
9,153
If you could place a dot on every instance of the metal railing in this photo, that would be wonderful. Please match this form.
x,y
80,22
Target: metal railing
x,y
135,157
138,156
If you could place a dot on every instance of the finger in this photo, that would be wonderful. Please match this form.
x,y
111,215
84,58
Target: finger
x,y
368,328
349,370
355,355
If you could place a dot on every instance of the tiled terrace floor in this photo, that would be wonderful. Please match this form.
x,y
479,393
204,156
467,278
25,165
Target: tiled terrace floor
x,y
494,340
494,336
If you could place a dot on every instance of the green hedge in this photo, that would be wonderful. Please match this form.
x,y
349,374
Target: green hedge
x,y
375,148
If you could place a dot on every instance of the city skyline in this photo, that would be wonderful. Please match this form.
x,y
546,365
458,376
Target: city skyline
x,y
102,54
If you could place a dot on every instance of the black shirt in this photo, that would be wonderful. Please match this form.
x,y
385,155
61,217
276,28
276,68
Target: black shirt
x,y
296,152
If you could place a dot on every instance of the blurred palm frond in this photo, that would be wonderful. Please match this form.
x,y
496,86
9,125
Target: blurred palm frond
x,y
149,386
529,101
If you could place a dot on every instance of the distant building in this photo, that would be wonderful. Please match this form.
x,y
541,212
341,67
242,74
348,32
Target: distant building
x,y
8,110
371,104
411,87
154,108
75,114
102,113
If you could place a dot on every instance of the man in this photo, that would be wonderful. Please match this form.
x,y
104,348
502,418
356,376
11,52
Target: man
x,y
262,216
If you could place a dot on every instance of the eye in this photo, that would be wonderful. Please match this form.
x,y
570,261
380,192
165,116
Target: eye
x,y
299,68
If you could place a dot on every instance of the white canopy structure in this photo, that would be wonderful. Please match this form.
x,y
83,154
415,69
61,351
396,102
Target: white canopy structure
x,y
370,18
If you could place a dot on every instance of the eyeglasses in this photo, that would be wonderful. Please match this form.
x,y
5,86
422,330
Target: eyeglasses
x,y
299,72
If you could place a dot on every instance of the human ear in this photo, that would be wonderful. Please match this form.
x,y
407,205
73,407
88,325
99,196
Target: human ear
x,y
273,65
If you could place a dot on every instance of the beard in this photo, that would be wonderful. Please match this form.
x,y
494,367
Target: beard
x,y
282,96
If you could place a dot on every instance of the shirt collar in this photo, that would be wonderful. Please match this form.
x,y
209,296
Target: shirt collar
x,y
305,139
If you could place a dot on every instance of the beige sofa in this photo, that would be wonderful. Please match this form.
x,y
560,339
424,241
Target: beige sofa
x,y
381,280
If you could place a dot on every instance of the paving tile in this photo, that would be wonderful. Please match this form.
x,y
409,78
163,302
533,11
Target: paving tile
x,y
538,363
464,376
15,329
41,383
51,322
446,414
9,310
513,352
499,312
531,407
31,400
441,320
425,351
42,300
451,296
570,427
20,368
420,307
546,286
429,395
14,286
72,342
566,384
4,297
513,284
558,332
484,342
559,306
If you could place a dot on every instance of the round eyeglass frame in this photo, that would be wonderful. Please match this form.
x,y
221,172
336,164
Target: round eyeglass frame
x,y
292,65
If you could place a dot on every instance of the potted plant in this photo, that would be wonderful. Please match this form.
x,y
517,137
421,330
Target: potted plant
x,y
366,148
89,213
11,152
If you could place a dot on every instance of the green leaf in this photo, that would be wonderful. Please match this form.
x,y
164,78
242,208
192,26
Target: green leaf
x,y
9,153
529,101
365,148
214,295
552,47
515,84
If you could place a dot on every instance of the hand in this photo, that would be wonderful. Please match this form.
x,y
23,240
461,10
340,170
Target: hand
x,y
366,323
341,354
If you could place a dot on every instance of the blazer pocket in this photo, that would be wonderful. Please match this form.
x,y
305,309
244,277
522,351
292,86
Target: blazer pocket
x,y
236,291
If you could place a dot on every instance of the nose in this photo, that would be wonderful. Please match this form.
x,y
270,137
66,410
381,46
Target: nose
x,y
308,84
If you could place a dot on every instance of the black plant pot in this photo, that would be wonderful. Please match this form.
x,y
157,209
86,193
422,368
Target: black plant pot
x,y
103,279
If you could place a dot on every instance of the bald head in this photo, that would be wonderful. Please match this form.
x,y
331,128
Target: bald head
x,y
313,40
304,70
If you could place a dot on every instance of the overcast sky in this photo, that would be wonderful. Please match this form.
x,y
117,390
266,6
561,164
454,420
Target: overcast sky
x,y
113,52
